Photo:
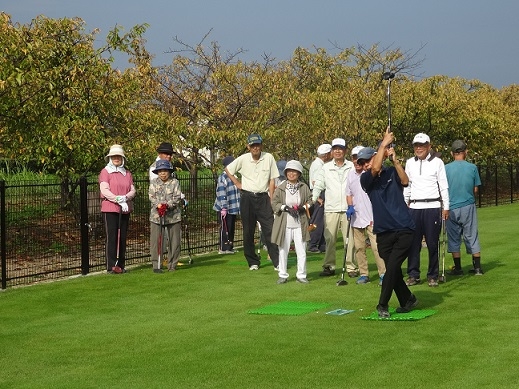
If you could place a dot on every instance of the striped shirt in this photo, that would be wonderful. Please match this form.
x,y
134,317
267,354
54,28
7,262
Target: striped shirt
x,y
227,195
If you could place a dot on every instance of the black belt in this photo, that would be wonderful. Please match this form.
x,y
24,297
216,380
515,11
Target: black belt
x,y
257,194
425,200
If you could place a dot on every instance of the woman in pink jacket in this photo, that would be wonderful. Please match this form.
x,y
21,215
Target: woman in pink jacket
x,y
117,193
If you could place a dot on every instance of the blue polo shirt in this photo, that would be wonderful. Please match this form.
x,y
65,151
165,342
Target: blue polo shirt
x,y
390,212
463,177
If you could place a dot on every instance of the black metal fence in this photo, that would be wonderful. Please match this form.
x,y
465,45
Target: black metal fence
x,y
52,230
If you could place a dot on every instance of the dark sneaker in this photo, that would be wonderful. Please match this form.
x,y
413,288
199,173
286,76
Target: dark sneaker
x,y
353,274
383,313
314,250
478,271
432,282
412,281
327,272
455,272
408,307
282,280
158,271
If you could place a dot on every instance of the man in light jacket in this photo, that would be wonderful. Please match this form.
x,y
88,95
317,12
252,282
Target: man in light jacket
x,y
333,178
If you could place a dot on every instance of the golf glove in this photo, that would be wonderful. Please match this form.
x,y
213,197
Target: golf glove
x,y
162,209
223,212
293,212
350,212
299,209
124,207
120,199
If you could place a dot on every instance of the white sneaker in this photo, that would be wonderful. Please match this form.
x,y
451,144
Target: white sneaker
x,y
276,268
254,267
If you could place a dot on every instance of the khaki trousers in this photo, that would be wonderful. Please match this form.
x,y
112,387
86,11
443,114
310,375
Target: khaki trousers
x,y
359,250
332,222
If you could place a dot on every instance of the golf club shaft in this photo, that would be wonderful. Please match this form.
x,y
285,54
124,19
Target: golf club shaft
x,y
118,236
389,108
160,245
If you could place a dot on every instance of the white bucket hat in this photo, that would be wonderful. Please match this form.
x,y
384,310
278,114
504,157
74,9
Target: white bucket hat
x,y
115,150
293,165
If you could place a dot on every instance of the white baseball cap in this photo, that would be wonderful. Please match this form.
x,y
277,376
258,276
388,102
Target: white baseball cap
x,y
339,142
421,138
325,148
356,150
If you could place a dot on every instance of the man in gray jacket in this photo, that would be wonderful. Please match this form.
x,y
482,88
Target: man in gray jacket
x,y
333,178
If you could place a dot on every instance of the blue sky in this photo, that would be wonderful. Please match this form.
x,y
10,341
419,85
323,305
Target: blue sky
x,y
473,39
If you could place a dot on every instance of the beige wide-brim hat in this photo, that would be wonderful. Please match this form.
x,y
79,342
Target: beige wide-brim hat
x,y
115,150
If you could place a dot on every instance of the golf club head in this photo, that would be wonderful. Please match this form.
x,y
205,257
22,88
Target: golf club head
x,y
117,269
441,279
388,76
342,282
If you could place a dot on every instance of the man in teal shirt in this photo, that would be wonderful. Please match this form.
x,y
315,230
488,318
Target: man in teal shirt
x,y
463,178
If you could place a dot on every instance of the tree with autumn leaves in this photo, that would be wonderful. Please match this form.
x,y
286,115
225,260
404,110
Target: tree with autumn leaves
x,y
62,103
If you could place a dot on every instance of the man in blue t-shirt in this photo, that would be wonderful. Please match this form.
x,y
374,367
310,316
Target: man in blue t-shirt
x,y
392,222
463,178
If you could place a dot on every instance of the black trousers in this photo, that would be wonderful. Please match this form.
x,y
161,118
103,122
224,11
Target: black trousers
x,y
428,224
393,248
256,208
114,236
227,225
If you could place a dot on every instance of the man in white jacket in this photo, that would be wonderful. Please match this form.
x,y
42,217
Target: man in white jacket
x,y
333,178
427,196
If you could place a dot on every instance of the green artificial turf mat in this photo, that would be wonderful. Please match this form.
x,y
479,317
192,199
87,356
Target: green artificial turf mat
x,y
289,308
416,314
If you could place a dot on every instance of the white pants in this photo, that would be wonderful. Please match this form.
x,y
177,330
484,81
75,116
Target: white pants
x,y
293,234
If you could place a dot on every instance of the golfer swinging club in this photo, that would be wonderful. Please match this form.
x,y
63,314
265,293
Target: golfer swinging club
x,y
392,223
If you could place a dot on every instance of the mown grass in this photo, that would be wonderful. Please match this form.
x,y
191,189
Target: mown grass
x,y
192,329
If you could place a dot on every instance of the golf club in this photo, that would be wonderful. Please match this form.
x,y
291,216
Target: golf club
x,y
225,230
186,232
311,226
342,281
388,76
260,243
160,247
443,248
116,268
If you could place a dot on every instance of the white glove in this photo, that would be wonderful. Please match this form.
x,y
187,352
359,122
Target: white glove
x,y
120,199
124,207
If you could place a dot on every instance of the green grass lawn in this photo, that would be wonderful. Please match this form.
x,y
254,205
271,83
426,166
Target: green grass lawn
x,y
192,329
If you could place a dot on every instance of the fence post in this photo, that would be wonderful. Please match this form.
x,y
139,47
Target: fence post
x,y
496,186
3,234
511,170
85,226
